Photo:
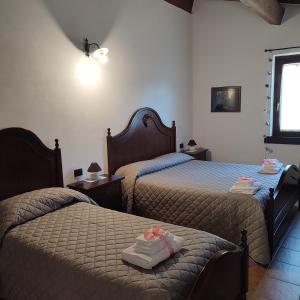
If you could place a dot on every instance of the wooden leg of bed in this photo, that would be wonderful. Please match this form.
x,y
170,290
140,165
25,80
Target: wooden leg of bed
x,y
245,263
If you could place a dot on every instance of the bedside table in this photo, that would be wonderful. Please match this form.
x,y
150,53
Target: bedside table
x,y
105,192
199,154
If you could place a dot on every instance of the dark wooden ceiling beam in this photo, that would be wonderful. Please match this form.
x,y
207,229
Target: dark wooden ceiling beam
x,y
281,1
270,10
290,1
188,4
184,4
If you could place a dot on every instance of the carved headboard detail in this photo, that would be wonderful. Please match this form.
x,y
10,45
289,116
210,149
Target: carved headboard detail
x,y
144,138
26,164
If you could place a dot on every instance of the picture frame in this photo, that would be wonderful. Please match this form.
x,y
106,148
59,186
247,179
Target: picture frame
x,y
226,99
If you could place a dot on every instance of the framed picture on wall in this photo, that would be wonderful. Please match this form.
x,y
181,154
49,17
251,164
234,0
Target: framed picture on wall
x,y
226,99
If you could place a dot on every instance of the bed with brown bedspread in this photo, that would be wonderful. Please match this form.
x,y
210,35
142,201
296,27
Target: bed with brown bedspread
x,y
176,188
196,194
56,252
57,244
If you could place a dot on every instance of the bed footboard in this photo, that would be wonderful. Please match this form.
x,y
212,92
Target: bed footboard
x,y
281,206
225,276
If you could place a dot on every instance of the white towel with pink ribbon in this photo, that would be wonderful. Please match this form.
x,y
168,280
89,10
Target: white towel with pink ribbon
x,y
152,247
246,185
271,166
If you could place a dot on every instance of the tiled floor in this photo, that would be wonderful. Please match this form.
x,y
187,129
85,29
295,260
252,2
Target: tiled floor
x,y
282,280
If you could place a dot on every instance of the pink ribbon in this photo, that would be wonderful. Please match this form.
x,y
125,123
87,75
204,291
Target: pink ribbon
x,y
246,178
270,161
157,232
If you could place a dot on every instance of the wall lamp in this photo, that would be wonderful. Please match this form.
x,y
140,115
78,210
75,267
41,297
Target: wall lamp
x,y
96,51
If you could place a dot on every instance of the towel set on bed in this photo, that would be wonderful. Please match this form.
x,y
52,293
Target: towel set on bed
x,y
271,166
245,185
152,247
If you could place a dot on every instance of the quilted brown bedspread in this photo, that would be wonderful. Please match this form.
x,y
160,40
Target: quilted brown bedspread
x,y
175,189
74,252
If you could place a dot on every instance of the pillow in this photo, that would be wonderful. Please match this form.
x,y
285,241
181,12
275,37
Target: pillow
x,y
25,207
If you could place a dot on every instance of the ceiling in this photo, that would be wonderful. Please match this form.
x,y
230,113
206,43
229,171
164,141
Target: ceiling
x,y
270,10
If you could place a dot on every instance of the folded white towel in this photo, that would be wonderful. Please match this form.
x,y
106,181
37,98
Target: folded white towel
x,y
244,190
245,185
149,261
245,181
151,247
271,161
142,241
268,171
154,241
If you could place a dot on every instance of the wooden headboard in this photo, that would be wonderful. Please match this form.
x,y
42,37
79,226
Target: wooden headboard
x,y
26,164
144,138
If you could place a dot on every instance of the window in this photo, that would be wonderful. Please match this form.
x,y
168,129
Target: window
x,y
286,101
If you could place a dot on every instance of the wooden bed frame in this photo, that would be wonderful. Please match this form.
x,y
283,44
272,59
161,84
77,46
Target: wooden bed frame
x,y
147,137
27,164
144,138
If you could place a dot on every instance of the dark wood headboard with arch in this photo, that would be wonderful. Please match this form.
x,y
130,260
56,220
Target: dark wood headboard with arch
x,y
144,138
26,164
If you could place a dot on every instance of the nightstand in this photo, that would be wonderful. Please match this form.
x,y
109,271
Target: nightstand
x,y
105,192
199,154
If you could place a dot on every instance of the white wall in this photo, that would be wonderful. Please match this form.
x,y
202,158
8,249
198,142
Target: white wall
x,y
228,49
41,70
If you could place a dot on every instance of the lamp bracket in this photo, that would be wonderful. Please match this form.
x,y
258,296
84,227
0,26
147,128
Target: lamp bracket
x,y
88,46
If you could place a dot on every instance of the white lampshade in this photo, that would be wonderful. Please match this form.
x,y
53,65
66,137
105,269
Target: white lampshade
x,y
102,55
